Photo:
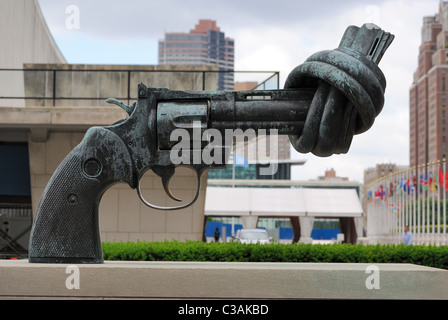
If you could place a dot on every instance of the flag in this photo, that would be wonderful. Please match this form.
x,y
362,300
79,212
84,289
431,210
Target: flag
x,y
443,179
432,182
380,193
436,181
408,185
423,182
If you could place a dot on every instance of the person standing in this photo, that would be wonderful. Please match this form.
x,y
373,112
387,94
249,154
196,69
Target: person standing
x,y
407,236
216,235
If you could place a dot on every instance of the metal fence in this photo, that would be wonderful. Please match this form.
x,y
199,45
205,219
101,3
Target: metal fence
x,y
416,198
13,210
15,225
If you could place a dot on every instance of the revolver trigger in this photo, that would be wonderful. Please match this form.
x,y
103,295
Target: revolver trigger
x,y
166,173
166,187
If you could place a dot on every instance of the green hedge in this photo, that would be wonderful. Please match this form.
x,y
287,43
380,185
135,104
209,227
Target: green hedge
x,y
431,256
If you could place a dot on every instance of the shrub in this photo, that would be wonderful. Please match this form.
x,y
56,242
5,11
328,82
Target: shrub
x,y
431,256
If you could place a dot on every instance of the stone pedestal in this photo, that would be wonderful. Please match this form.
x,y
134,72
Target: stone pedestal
x,y
219,280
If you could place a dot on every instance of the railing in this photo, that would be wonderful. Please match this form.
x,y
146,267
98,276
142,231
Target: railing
x,y
55,85
416,198
19,215
271,83
8,211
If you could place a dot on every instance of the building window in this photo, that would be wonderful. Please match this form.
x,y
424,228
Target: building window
x,y
15,184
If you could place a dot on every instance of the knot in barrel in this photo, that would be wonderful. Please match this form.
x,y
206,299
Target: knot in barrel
x,y
349,95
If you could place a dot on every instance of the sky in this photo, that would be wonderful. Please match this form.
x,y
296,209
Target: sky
x,y
269,35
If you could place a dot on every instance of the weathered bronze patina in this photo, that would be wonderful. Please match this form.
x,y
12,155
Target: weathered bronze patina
x,y
332,96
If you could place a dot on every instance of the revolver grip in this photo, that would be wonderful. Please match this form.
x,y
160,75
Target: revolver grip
x,y
66,226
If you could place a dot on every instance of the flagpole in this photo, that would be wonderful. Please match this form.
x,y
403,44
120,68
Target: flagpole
x,y
421,204
408,199
433,205
386,210
398,208
397,215
438,202
389,217
424,205
444,200
417,203
401,212
414,200
403,216
427,205
392,210
410,196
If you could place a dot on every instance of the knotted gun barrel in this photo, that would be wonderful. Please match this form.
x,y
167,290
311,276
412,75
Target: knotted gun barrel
x,y
334,95
350,90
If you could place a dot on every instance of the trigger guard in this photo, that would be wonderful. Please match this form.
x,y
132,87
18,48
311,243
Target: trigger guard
x,y
150,205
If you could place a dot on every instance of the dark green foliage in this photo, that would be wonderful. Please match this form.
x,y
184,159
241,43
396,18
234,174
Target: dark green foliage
x,y
431,256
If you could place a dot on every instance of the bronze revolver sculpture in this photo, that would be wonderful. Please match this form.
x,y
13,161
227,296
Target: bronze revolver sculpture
x,y
328,99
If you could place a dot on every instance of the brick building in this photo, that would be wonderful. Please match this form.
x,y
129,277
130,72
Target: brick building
x,y
203,45
428,100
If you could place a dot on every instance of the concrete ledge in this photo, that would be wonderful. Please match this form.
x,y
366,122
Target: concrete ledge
x,y
194,280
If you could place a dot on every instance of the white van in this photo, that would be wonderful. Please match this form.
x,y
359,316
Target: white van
x,y
252,236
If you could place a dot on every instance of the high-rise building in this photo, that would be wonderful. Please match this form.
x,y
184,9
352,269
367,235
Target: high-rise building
x,y
428,93
205,44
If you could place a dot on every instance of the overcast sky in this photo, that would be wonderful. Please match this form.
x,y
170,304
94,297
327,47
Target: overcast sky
x,y
269,35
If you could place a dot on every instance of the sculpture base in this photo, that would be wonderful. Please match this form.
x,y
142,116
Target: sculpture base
x,y
66,260
219,280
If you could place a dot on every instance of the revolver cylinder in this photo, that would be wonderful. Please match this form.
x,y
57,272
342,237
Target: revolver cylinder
x,y
181,115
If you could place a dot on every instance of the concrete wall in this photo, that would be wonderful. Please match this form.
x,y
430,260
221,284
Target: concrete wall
x,y
107,81
24,38
24,35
